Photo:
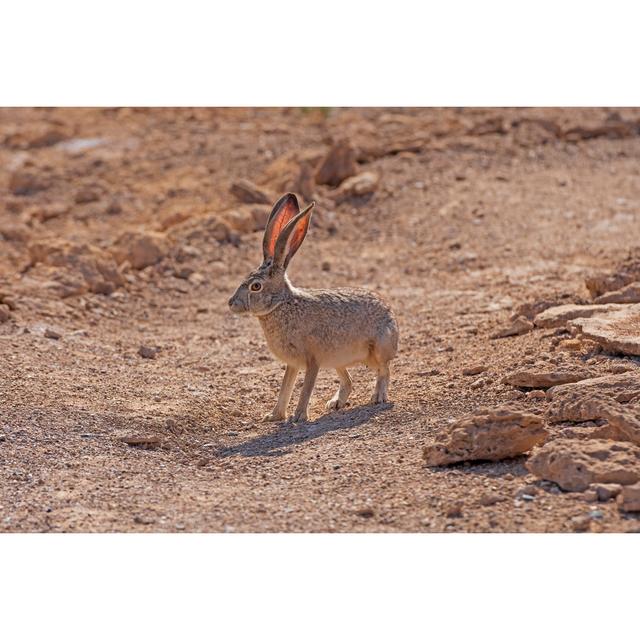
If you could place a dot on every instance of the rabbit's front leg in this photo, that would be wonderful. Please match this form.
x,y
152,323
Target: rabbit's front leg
x,y
305,395
286,389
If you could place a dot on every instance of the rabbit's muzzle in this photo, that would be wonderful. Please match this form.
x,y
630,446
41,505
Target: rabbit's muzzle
x,y
237,304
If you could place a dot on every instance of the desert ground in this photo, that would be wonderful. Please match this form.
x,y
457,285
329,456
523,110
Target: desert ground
x,y
131,398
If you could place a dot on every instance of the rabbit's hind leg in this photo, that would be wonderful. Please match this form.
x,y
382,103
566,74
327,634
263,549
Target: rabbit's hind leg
x,y
379,358
341,396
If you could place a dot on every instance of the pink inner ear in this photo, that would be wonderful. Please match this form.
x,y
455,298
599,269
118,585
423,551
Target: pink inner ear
x,y
297,236
288,211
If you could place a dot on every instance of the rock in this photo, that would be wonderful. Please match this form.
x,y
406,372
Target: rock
x,y
53,335
36,135
142,441
629,498
545,378
581,523
83,267
87,194
454,510
531,309
304,183
474,370
559,316
626,295
367,512
538,394
606,492
4,313
246,219
139,249
490,126
570,345
518,327
575,464
249,193
616,332
626,272
488,434
614,398
359,185
489,499
25,183
338,165
147,352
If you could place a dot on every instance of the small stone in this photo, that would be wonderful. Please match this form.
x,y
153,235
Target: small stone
x,y
570,345
606,492
454,510
518,327
580,524
139,249
367,512
474,370
537,394
86,195
142,441
488,499
25,183
147,352
337,165
326,266
249,193
4,313
629,498
590,496
53,335
359,185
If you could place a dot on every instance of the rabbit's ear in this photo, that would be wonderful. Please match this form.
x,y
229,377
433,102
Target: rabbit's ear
x,y
283,211
291,237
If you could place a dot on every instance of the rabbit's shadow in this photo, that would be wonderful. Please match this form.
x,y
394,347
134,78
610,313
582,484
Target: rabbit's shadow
x,y
289,434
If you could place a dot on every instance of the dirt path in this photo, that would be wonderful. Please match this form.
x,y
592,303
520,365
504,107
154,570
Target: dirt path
x,y
473,215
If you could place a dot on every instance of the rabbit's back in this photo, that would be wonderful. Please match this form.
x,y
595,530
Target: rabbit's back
x,y
336,327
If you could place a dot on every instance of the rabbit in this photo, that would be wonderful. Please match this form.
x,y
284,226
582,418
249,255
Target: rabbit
x,y
313,328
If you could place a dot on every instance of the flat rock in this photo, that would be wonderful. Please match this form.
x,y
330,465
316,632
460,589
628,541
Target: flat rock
x,y
629,498
249,193
559,316
518,327
139,249
338,165
545,378
616,332
488,434
359,185
627,295
575,464
626,272
614,398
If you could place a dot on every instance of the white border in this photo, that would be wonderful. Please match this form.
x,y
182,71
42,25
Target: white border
x,y
333,53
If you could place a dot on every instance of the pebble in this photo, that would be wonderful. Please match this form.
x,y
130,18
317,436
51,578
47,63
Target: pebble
x,y
580,523
53,335
147,352
474,370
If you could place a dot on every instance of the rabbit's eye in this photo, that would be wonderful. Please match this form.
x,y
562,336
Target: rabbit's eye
x,y
255,286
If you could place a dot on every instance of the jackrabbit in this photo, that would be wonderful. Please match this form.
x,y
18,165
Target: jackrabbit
x,y
313,328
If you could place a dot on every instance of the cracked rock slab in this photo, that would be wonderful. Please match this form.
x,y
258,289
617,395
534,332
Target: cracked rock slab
x,y
615,332
575,464
545,378
488,434
559,316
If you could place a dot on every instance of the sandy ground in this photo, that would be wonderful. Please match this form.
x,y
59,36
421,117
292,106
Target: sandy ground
x,y
476,212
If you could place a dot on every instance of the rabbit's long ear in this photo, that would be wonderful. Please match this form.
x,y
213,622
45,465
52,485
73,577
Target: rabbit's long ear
x,y
283,211
291,237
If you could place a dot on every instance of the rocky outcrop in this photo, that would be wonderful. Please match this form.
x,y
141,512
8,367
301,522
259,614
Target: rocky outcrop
x,y
559,316
574,464
488,434
545,378
615,332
